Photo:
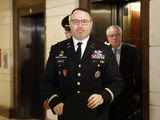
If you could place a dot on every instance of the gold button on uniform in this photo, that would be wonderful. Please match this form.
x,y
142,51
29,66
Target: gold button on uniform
x,y
79,74
79,65
78,83
78,91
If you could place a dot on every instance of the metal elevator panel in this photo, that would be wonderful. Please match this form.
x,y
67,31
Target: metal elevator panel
x,y
31,57
103,16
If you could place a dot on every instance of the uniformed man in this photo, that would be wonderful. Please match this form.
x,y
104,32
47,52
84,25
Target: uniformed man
x,y
81,77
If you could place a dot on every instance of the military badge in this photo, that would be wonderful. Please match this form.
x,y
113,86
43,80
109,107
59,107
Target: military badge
x,y
59,72
64,72
97,74
61,55
60,61
102,61
98,54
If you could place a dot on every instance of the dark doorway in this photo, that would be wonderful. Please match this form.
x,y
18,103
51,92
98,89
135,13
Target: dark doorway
x,y
31,63
127,15
120,12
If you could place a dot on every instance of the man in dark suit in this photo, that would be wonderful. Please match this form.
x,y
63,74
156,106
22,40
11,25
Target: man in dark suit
x,y
130,69
81,77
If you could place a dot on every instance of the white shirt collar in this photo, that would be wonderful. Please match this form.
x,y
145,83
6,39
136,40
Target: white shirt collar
x,y
119,47
83,46
84,42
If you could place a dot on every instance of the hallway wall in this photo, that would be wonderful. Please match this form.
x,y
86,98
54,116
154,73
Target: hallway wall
x,y
6,55
55,11
154,60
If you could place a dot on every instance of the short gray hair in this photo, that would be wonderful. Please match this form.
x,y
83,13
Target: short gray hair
x,y
114,26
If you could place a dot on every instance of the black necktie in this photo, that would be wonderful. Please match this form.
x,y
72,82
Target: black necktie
x,y
78,52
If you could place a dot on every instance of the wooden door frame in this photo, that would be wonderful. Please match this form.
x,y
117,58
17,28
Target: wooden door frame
x,y
145,57
26,7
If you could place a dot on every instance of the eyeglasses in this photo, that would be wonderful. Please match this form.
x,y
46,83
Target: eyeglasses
x,y
83,22
114,35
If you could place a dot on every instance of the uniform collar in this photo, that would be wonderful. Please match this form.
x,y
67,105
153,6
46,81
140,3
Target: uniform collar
x,y
84,41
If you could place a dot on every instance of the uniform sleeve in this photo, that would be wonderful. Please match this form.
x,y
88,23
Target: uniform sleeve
x,y
48,81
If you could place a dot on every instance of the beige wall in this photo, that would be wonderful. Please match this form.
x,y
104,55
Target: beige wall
x,y
154,60
55,11
6,47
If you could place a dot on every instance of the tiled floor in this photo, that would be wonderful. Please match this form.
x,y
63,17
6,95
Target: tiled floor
x,y
49,116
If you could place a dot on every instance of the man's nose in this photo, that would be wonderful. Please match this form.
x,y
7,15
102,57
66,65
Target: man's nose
x,y
114,37
80,23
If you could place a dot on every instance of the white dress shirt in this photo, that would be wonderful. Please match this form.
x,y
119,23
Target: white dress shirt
x,y
118,53
83,45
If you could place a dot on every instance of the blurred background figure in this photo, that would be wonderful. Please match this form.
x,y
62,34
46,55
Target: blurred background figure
x,y
130,69
65,25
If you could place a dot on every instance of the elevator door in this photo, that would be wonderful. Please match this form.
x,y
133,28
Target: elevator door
x,y
31,57
103,16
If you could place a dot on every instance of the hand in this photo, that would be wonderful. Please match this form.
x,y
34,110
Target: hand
x,y
58,109
94,100
45,104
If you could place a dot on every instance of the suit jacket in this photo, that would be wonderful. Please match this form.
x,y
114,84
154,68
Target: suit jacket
x,y
130,69
65,75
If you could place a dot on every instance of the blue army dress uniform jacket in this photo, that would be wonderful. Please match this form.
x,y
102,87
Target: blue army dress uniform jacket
x,y
96,72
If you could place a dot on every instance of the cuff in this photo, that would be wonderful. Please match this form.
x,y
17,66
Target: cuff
x,y
107,95
53,101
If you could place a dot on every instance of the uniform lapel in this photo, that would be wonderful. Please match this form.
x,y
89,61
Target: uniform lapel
x,y
88,51
70,49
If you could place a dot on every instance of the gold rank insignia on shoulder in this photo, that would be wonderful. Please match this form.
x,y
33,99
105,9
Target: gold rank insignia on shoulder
x,y
97,74
64,72
68,45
